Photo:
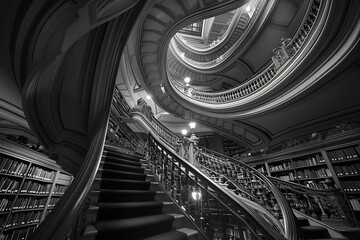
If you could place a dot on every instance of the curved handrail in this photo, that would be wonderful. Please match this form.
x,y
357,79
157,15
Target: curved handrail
x,y
231,48
317,203
255,183
143,113
288,50
235,188
57,224
177,175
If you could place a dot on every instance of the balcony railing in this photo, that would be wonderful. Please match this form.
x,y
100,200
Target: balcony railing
x,y
281,56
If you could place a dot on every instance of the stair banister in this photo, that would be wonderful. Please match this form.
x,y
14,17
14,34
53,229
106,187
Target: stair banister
x,y
289,221
164,162
330,201
141,114
62,218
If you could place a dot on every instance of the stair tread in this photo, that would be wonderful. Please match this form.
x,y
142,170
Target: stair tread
x,y
125,191
173,235
131,223
115,160
114,166
325,238
129,204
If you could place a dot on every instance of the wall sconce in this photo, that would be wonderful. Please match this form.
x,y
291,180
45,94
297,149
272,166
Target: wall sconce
x,y
187,80
196,195
184,132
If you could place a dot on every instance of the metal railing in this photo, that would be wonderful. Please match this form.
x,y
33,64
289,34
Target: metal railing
x,y
216,212
286,51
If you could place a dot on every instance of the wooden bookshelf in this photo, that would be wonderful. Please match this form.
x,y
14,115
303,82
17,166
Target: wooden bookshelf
x,y
327,164
30,186
345,162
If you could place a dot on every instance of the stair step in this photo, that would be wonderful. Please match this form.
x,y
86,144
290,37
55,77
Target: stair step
x,y
173,235
108,195
122,167
303,221
122,184
110,153
111,160
111,211
314,232
178,220
329,238
191,233
122,175
89,233
141,227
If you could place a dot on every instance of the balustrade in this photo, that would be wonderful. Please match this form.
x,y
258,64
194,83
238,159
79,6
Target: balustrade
x,y
214,210
282,55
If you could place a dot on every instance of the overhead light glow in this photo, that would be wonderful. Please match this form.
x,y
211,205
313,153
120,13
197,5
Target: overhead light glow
x,y
184,132
192,125
148,97
187,80
248,8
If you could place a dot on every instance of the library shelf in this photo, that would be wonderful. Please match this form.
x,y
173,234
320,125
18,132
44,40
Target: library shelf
x,y
28,181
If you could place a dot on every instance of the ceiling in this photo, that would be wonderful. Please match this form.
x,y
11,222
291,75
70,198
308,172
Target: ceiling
x,y
315,91
293,109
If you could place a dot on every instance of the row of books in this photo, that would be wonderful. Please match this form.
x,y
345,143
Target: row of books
x,y
355,203
343,154
20,234
5,204
8,185
351,186
316,184
347,169
22,218
35,188
11,166
311,173
59,189
310,161
288,177
279,167
40,173
29,203
53,202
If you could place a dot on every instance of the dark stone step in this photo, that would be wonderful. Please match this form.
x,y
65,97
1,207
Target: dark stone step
x,y
303,221
314,232
173,235
122,167
141,227
122,184
123,175
111,211
121,161
107,195
111,153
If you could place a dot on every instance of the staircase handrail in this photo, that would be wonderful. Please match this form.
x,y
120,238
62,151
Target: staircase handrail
x,y
318,203
143,113
63,217
160,165
289,221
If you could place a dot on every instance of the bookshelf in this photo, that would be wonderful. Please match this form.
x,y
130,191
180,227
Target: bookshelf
x,y
30,186
345,161
232,149
330,163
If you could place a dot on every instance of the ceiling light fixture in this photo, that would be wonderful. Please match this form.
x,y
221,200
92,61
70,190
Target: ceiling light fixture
x,y
148,97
